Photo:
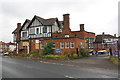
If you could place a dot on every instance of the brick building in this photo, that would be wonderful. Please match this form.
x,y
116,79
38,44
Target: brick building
x,y
3,46
34,34
105,42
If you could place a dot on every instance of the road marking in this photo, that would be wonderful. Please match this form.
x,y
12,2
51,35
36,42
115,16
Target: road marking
x,y
68,76
105,76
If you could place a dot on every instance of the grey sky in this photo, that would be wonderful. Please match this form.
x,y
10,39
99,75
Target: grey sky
x,y
97,15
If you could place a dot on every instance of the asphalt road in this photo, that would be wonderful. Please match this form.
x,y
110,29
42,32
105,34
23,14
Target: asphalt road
x,y
23,68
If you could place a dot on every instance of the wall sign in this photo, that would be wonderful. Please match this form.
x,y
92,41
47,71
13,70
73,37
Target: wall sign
x,y
58,50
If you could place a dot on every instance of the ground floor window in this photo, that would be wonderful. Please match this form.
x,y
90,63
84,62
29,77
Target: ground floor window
x,y
82,45
54,46
72,45
41,45
61,45
66,44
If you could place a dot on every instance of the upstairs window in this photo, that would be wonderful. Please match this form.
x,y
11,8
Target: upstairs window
x,y
37,30
45,29
24,34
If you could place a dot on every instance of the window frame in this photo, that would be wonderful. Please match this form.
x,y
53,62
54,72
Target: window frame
x,y
61,45
72,43
42,45
66,44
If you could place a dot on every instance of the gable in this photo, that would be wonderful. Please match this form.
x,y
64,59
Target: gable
x,y
25,26
36,22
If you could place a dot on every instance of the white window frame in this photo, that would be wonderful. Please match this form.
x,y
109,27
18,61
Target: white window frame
x,y
66,44
41,45
62,45
23,32
37,41
72,43
36,30
54,44
67,36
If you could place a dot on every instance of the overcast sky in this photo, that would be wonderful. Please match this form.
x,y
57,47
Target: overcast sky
x,y
97,15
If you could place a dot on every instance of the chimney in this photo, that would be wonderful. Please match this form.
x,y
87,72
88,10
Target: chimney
x,y
18,33
82,27
103,33
114,35
66,24
18,25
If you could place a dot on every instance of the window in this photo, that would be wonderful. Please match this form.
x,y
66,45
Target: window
x,y
61,45
54,46
41,46
24,34
45,29
82,45
66,44
36,41
37,30
71,44
67,36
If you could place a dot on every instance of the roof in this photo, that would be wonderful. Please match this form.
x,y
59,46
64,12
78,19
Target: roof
x,y
3,43
99,38
26,21
10,43
14,31
49,21
43,21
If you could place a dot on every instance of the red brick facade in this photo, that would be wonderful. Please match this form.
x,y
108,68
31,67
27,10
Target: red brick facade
x,y
71,41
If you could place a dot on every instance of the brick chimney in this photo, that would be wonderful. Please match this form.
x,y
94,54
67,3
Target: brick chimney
x,y
82,27
114,35
18,32
66,24
103,33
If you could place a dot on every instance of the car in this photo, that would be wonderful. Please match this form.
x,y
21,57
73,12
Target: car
x,y
6,54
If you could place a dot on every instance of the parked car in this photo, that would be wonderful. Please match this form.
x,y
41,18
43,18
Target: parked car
x,y
6,54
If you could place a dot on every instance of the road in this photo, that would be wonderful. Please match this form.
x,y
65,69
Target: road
x,y
23,68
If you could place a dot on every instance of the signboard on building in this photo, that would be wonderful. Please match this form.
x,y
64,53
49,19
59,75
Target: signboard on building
x,y
25,44
37,46
58,50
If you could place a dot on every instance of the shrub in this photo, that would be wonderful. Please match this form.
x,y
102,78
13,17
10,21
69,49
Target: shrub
x,y
84,52
114,59
71,55
48,48
34,54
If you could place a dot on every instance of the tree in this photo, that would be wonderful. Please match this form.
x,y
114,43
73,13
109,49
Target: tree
x,y
48,48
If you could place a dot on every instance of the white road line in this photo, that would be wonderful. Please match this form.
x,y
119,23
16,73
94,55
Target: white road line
x,y
68,76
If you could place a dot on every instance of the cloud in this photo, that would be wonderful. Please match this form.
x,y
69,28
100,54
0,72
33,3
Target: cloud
x,y
97,15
